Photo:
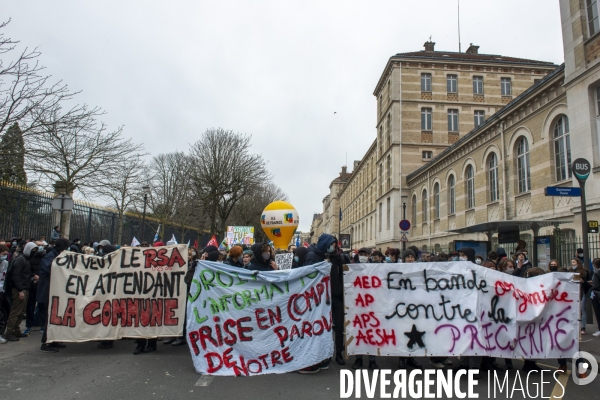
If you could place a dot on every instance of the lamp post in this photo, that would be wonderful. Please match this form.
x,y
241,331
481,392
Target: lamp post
x,y
146,190
404,198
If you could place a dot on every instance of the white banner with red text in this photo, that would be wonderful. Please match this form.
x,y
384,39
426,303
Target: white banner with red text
x,y
134,292
459,308
243,323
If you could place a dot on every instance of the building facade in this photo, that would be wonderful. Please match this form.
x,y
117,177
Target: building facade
x,y
465,138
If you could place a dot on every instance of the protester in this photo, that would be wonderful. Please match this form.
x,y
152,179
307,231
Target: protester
x,y
530,365
35,261
234,257
522,264
18,284
55,233
478,259
595,289
299,257
263,258
493,257
247,258
361,257
506,265
337,259
392,256
377,257
578,268
554,266
3,267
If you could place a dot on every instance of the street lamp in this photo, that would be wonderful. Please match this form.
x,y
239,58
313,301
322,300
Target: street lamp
x,y
146,190
404,200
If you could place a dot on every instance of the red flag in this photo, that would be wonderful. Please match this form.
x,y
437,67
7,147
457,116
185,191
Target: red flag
x,y
305,244
196,243
213,242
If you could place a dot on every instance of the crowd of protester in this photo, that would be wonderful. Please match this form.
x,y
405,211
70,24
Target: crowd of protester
x,y
25,270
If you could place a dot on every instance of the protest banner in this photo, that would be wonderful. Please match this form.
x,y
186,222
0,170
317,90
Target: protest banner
x,y
245,323
284,260
240,235
133,292
459,308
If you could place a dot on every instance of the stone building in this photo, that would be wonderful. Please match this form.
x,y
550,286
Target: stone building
x,y
465,138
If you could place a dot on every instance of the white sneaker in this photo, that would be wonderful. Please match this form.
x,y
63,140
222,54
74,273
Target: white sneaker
x,y
2,340
597,333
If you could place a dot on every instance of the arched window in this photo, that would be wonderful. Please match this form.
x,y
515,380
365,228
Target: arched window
x,y
523,165
414,210
436,200
562,149
470,176
493,177
451,195
425,207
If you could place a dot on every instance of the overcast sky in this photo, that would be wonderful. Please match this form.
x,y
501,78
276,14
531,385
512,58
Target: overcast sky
x,y
277,70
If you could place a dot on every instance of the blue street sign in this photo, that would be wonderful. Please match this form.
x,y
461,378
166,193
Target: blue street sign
x,y
562,191
404,225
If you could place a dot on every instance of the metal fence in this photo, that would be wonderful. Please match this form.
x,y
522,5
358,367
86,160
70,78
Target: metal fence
x,y
28,214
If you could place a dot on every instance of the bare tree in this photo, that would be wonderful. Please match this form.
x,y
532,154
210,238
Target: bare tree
x,y
26,93
224,171
122,186
76,152
248,210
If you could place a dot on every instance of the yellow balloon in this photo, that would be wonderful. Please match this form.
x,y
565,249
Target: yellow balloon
x,y
279,221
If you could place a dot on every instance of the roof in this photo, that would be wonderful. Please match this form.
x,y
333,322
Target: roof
x,y
488,121
448,55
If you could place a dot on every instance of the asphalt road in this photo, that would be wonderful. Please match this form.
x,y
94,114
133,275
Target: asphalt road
x,y
82,371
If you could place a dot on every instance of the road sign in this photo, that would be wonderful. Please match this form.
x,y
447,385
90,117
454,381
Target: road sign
x,y
403,238
592,226
562,191
62,202
404,225
581,169
404,232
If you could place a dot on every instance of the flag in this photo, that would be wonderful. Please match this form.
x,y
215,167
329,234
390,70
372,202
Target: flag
x,y
173,239
213,242
188,242
196,243
156,235
224,245
305,244
134,242
298,241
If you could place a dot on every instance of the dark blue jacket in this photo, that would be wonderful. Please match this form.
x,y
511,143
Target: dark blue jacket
x,y
316,253
43,290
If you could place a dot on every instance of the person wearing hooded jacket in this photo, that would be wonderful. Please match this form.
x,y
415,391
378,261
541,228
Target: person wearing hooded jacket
x,y
19,282
299,257
522,264
263,259
316,253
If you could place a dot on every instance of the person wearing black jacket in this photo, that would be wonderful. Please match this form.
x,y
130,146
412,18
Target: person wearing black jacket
x,y
522,264
234,257
299,257
263,259
36,259
19,281
595,290
43,291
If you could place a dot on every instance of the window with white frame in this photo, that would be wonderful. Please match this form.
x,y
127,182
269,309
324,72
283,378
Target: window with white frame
x,y
470,176
426,115
414,211
493,177
436,200
427,154
478,85
452,83
505,87
389,213
592,16
425,207
451,195
452,120
523,165
562,149
425,82
479,117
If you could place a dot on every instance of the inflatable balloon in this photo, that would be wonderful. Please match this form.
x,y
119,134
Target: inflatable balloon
x,y
279,221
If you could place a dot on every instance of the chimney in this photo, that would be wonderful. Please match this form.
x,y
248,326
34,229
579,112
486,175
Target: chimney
x,y
429,45
473,49
344,168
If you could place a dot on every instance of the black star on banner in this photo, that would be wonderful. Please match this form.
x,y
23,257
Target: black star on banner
x,y
415,337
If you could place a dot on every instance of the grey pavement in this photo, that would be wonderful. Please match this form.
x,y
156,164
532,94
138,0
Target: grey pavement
x,y
82,371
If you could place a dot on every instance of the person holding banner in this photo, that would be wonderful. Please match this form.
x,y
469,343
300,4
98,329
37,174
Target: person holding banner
x,y
247,258
234,257
299,257
264,259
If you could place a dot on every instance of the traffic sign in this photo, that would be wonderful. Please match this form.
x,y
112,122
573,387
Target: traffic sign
x,y
581,169
404,232
592,226
562,191
404,225
62,202
403,238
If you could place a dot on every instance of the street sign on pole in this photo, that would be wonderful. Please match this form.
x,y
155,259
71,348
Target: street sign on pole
x,y
592,226
404,225
403,238
562,191
581,170
63,202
